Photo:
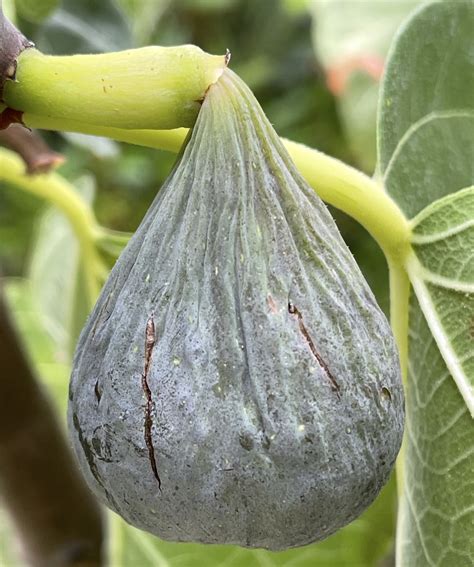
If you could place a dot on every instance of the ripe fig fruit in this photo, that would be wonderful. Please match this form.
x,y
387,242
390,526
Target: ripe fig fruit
x,y
236,382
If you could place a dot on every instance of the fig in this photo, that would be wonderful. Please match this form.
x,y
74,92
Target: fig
x,y
236,382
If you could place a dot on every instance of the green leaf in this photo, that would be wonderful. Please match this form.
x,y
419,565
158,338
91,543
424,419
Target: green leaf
x,y
441,270
57,277
443,240
425,147
426,108
435,525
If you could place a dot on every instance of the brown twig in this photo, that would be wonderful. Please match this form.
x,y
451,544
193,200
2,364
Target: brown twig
x,y
12,43
37,155
57,518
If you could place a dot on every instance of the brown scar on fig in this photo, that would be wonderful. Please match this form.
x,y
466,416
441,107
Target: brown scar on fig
x,y
149,345
272,304
293,310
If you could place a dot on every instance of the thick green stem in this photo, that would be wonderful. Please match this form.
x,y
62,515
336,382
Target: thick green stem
x,y
399,317
335,182
357,195
57,191
151,87
399,308
399,313
168,140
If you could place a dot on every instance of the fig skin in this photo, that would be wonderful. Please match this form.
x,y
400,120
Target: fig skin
x,y
236,382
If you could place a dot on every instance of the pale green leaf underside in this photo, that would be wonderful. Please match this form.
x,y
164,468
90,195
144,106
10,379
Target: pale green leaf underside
x,y
441,269
426,93
443,241
425,148
436,518
431,160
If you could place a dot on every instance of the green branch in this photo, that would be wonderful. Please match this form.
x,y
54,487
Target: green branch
x,y
151,87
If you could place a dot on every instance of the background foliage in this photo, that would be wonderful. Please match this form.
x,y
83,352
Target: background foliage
x,y
317,77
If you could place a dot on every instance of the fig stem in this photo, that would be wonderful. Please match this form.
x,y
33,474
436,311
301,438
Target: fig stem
x,y
399,312
337,183
151,87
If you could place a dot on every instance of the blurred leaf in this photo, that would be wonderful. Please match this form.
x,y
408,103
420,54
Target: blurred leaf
x,y
41,349
56,276
84,27
425,147
102,148
351,40
208,5
18,212
10,548
144,17
35,10
346,30
357,108
8,7
296,6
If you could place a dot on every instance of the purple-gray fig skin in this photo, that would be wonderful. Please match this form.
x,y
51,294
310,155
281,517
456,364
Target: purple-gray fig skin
x,y
236,382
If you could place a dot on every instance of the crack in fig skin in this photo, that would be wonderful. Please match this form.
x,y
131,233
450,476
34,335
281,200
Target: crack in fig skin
x,y
293,310
149,344
97,392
